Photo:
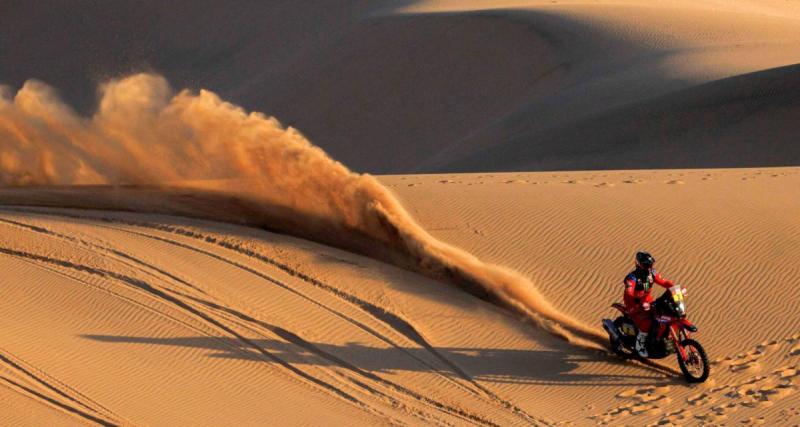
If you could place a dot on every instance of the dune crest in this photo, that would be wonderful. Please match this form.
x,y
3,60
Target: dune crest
x,y
143,134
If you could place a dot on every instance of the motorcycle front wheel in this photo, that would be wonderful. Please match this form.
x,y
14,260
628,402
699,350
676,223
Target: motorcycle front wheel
x,y
695,368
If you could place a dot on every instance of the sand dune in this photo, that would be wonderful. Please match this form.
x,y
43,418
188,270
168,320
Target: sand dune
x,y
722,233
256,323
432,85
248,327
713,123
170,258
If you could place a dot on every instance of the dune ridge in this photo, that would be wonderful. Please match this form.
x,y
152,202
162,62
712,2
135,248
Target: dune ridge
x,y
142,134
452,91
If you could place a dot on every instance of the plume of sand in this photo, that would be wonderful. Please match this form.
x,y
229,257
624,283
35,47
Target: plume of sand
x,y
145,134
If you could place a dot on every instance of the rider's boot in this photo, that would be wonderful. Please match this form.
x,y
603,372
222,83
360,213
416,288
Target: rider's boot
x,y
641,344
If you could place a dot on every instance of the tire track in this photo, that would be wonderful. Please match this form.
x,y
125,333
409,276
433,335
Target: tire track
x,y
164,296
291,338
392,320
259,274
248,343
43,398
101,416
55,381
199,331
8,386
395,322
296,340
81,242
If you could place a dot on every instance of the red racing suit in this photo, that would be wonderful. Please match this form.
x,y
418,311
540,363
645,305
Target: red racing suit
x,y
638,289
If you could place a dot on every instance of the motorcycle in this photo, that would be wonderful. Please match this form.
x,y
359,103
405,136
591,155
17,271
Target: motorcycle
x,y
669,334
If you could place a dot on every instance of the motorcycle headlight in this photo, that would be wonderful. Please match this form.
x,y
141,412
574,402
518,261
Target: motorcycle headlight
x,y
681,308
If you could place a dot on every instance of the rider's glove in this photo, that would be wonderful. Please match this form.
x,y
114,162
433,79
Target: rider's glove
x,y
683,289
645,306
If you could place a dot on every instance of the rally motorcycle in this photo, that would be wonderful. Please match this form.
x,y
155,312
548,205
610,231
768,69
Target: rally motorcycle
x,y
669,334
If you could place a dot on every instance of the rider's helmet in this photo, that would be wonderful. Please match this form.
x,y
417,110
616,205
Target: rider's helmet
x,y
644,260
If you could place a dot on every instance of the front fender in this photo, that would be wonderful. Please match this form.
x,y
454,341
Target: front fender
x,y
689,326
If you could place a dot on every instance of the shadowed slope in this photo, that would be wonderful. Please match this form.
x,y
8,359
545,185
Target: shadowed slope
x,y
713,124
426,86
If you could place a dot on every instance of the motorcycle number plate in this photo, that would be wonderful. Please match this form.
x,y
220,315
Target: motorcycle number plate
x,y
677,293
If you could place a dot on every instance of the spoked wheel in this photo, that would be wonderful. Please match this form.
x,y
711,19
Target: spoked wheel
x,y
695,369
618,348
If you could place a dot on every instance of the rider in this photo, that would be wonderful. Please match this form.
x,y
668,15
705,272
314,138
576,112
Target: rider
x,y
638,286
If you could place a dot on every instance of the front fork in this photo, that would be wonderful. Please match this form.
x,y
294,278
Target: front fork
x,y
674,333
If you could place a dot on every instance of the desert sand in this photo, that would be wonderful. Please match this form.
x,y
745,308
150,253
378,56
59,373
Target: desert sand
x,y
170,258
127,318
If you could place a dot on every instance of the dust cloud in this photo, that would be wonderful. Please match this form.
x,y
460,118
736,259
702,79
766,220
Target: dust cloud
x,y
146,134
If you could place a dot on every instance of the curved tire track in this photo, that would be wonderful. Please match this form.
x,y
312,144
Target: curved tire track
x,y
91,411
163,295
391,320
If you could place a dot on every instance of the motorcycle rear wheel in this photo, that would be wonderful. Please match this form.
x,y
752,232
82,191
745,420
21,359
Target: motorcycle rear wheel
x,y
696,369
616,345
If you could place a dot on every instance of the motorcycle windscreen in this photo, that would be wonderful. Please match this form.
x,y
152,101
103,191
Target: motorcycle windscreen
x,y
677,297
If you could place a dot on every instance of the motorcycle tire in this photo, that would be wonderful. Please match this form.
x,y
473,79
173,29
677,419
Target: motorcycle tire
x,y
617,346
702,358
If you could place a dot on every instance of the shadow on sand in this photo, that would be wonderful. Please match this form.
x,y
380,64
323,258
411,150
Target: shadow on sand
x,y
493,365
